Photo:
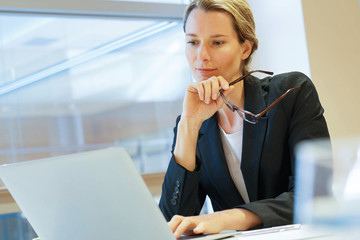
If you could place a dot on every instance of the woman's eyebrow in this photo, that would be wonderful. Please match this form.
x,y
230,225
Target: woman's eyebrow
x,y
218,35
212,36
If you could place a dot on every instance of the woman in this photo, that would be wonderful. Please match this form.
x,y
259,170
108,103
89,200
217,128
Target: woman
x,y
242,161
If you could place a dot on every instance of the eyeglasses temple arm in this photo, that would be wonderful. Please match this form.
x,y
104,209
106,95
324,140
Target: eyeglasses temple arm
x,y
251,72
259,115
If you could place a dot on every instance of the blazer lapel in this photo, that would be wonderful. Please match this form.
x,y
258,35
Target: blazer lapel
x,y
253,136
212,153
210,147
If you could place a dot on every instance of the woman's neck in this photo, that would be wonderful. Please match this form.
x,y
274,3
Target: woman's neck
x,y
229,121
236,96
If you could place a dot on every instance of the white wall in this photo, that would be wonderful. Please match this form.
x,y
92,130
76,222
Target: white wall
x,y
321,39
281,33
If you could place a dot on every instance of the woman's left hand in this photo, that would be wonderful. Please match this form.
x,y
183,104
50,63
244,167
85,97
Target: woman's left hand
x,y
208,223
234,219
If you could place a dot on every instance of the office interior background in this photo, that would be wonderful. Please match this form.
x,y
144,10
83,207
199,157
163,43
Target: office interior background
x,y
87,74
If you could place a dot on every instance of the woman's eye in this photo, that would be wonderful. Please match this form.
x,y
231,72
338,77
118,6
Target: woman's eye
x,y
191,42
218,43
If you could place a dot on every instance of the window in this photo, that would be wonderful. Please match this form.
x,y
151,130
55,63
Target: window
x,y
73,83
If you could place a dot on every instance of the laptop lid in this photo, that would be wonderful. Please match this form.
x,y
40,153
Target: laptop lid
x,y
90,195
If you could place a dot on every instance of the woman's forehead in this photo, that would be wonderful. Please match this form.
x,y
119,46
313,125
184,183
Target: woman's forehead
x,y
210,22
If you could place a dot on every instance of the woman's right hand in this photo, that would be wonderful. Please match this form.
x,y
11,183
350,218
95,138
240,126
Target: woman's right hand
x,y
202,99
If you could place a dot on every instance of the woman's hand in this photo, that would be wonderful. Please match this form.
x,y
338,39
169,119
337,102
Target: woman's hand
x,y
232,219
202,99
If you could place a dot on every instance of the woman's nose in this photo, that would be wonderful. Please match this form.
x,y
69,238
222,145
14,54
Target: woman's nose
x,y
203,53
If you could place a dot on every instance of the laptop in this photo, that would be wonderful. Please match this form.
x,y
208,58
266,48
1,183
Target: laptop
x,y
90,195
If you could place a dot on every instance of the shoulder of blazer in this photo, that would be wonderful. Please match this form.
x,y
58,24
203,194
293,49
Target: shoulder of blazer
x,y
257,89
285,81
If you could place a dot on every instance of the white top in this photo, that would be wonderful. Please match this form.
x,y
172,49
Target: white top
x,y
232,144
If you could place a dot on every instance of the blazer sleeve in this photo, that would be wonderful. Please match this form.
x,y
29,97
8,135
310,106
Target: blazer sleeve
x,y
306,121
181,193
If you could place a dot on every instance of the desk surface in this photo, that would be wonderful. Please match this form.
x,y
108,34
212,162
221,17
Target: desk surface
x,y
288,232
300,233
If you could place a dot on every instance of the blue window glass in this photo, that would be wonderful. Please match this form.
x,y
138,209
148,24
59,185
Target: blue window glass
x,y
77,83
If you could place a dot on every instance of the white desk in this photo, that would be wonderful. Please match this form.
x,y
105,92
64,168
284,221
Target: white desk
x,y
301,233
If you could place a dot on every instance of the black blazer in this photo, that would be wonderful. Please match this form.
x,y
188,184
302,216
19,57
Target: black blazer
x,y
268,158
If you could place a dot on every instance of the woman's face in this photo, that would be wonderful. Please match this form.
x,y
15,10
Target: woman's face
x,y
212,45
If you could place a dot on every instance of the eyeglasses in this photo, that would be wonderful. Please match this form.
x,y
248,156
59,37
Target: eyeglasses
x,y
246,115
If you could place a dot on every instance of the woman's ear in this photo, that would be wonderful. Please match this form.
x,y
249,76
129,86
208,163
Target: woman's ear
x,y
246,48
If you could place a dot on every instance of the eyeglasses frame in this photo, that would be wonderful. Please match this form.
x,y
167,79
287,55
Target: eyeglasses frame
x,y
254,117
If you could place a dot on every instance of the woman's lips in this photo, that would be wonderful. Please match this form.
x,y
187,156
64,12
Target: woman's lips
x,y
205,70
205,73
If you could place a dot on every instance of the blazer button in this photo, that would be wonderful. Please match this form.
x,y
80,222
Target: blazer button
x,y
177,183
173,201
175,196
176,190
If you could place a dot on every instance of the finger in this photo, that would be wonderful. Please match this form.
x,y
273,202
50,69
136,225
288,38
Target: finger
x,y
201,90
207,227
207,90
185,225
193,88
228,91
223,83
215,88
174,222
200,228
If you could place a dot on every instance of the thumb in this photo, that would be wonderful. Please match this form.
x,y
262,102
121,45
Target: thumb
x,y
199,229
228,91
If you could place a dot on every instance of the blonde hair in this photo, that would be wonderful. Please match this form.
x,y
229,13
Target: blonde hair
x,y
243,20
